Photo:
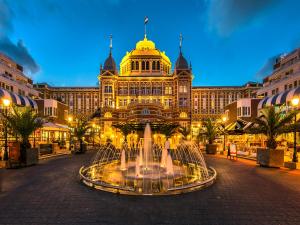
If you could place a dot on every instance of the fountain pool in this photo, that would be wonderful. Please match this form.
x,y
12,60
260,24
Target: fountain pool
x,y
148,169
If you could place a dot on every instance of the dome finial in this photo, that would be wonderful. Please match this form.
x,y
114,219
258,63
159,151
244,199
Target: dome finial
x,y
180,42
145,24
110,44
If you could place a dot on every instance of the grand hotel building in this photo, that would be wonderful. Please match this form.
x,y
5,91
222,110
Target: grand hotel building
x,y
146,88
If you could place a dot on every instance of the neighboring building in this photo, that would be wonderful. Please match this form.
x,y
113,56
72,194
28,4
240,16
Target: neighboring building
x,y
285,75
14,80
56,128
243,109
284,83
210,101
54,110
80,100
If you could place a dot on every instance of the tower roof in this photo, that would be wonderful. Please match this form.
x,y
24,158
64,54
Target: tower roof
x,y
110,63
181,63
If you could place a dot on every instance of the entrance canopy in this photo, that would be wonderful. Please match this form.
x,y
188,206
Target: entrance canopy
x,y
18,100
280,98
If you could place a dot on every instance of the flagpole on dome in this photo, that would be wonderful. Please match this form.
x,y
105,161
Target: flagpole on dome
x,y
145,24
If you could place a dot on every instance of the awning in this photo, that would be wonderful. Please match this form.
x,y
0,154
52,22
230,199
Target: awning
x,y
18,99
55,126
279,99
236,127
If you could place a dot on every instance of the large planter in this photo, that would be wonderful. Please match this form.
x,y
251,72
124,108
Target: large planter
x,y
270,157
32,156
211,148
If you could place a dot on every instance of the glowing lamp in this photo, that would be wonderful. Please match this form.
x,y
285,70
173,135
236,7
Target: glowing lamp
x,y
295,101
70,118
224,118
6,102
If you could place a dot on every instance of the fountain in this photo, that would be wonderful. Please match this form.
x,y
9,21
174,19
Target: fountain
x,y
123,160
148,169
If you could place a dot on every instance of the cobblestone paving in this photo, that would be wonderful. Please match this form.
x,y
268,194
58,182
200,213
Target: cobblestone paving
x,y
50,193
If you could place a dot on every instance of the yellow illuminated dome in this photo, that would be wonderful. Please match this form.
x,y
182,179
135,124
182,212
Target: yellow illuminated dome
x,y
145,59
145,45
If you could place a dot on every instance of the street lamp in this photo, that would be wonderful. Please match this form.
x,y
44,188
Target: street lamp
x,y
224,118
6,104
93,130
295,103
70,119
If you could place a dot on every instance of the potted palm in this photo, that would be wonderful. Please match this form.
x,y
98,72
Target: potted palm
x,y
23,121
80,129
168,129
271,123
125,129
210,131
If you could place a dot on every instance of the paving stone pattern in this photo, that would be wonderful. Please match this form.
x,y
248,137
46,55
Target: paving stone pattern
x,y
50,193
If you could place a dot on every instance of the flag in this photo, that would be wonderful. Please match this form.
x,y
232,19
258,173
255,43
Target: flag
x,y
146,20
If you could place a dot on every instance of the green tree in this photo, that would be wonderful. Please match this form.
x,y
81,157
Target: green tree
x,y
272,123
184,131
125,129
23,121
211,130
168,129
81,127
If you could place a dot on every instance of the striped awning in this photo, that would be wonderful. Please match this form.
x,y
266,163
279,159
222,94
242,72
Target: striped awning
x,y
18,99
279,99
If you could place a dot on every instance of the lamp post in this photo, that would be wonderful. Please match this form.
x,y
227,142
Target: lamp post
x,y
295,103
70,119
224,118
93,129
6,104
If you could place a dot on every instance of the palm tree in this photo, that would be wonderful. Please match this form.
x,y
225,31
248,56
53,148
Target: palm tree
x,y
272,123
23,121
80,129
168,129
124,128
185,131
211,130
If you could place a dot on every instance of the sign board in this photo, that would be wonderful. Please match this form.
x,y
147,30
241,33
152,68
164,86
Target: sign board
x,y
233,150
14,151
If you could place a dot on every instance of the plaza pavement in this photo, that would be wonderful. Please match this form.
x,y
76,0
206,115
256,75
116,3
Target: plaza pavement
x,y
50,193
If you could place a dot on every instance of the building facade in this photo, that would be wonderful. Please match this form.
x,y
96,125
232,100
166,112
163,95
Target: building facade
x,y
13,79
146,89
285,75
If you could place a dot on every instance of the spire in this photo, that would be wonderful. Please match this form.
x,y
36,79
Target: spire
x,y
110,44
180,42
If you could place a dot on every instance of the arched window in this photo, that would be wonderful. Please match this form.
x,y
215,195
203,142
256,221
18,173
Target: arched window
x,y
137,65
154,65
145,111
143,65
158,65
132,65
107,115
183,115
147,65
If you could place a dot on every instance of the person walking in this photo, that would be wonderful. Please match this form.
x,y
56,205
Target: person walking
x,y
228,151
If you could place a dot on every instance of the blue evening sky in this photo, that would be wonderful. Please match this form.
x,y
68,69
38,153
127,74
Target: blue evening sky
x,y
229,42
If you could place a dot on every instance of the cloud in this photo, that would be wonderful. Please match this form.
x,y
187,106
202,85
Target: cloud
x,y
267,68
225,16
18,51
